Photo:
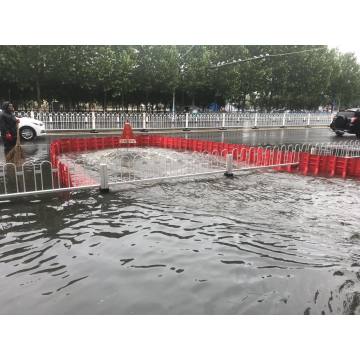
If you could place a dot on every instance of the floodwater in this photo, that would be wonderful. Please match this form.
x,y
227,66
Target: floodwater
x,y
127,164
259,243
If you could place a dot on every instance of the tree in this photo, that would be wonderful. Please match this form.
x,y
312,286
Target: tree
x,y
344,87
152,74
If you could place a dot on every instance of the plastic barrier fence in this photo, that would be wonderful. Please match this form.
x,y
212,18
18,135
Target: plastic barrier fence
x,y
309,164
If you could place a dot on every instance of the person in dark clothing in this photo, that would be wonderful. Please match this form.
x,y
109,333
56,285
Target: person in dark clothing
x,y
8,123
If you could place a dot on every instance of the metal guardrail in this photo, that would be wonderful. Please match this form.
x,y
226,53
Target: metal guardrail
x,y
35,178
137,167
43,178
155,121
350,149
29,178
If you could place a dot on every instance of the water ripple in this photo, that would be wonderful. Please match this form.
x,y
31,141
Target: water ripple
x,y
226,246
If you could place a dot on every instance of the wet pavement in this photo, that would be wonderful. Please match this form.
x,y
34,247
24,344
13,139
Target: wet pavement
x,y
260,243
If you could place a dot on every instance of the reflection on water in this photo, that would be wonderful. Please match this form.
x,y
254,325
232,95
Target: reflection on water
x,y
261,243
33,151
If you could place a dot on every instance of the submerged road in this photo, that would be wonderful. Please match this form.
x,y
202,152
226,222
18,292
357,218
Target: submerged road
x,y
262,242
259,243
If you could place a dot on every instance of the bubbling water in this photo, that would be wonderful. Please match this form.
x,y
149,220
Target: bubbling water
x,y
139,163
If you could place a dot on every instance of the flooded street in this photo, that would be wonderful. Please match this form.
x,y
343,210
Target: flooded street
x,y
260,243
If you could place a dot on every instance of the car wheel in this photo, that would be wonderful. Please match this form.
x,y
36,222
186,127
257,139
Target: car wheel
x,y
338,133
27,133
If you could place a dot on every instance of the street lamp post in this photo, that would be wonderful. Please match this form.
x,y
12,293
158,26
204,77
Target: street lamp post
x,y
173,106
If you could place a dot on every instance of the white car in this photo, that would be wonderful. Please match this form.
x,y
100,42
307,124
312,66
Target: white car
x,y
30,128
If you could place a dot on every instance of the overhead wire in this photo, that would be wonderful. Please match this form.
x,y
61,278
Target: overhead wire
x,y
259,57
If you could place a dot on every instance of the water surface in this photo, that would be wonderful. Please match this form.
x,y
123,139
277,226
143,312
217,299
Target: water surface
x,y
261,243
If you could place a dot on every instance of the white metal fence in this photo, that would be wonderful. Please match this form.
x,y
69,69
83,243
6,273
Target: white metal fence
x,y
29,178
136,168
344,149
35,178
155,121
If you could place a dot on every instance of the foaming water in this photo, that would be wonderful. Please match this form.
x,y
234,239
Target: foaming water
x,y
139,163
260,243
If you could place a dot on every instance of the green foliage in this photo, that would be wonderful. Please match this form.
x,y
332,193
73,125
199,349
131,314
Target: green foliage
x,y
123,75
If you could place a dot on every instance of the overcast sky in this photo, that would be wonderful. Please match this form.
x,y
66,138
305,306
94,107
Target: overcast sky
x,y
306,22
354,48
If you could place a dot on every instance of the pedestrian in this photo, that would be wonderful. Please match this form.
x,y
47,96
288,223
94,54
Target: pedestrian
x,y
8,123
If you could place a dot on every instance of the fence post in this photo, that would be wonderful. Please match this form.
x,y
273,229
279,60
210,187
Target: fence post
x,y
229,166
104,178
255,124
49,126
284,120
144,122
32,114
93,121
118,120
186,122
308,122
223,122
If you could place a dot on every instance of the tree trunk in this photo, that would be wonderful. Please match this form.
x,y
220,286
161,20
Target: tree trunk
x,y
105,100
269,105
38,93
244,101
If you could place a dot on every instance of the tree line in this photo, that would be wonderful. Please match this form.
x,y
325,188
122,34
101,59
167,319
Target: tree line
x,y
121,76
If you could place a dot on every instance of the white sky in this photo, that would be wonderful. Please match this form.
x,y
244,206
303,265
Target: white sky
x,y
344,48
307,22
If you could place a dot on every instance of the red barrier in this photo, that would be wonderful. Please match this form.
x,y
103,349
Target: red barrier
x,y
183,144
127,134
309,164
354,170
